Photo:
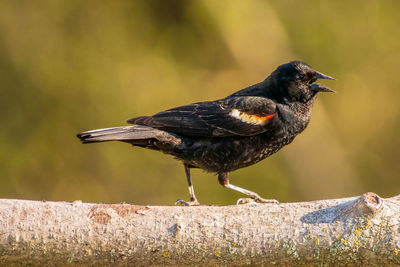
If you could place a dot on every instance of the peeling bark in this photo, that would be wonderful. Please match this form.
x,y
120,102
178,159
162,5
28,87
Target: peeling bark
x,y
355,231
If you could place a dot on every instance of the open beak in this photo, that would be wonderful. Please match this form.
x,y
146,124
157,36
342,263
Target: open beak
x,y
319,88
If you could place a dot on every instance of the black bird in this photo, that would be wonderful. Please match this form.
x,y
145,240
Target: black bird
x,y
231,133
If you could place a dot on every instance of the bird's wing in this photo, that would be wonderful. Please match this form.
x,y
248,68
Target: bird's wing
x,y
234,116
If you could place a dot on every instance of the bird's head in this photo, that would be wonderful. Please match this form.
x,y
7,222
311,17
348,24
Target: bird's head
x,y
296,81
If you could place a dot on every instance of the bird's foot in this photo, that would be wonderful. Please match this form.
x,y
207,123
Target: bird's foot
x,y
187,203
256,200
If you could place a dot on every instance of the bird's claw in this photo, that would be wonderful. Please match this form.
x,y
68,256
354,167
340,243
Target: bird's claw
x,y
245,200
256,200
187,203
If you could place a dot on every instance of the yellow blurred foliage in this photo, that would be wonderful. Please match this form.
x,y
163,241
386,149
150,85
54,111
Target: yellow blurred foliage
x,y
71,66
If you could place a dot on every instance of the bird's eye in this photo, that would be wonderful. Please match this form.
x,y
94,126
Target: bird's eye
x,y
300,76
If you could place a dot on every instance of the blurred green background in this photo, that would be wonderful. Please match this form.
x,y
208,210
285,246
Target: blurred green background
x,y
71,66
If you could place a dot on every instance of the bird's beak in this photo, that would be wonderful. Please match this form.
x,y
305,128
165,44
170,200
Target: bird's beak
x,y
323,76
319,88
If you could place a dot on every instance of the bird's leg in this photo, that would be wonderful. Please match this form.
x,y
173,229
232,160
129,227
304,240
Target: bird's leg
x,y
224,181
193,200
190,185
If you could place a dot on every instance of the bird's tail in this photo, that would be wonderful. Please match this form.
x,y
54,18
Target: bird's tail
x,y
110,134
136,135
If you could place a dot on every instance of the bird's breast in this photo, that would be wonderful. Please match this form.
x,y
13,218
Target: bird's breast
x,y
228,154
294,118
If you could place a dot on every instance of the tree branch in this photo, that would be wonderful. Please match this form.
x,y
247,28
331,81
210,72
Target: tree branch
x,y
353,231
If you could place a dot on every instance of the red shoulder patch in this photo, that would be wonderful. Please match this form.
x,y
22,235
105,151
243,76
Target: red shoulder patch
x,y
266,118
250,118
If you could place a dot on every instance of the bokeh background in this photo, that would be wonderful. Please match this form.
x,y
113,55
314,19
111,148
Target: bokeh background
x,y
71,66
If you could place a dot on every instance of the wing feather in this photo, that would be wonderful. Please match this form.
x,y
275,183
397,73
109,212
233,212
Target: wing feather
x,y
240,116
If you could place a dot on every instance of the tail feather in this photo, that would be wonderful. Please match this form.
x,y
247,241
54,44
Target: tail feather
x,y
123,133
136,135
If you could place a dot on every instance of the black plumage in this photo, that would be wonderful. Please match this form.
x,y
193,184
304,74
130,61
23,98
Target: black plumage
x,y
227,134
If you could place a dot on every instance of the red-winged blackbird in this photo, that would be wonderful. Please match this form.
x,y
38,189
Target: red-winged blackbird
x,y
231,133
